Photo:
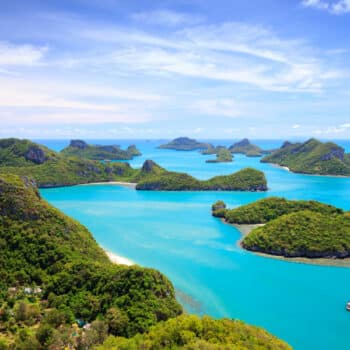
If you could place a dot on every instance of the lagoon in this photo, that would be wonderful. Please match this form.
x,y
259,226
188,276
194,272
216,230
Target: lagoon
x,y
175,233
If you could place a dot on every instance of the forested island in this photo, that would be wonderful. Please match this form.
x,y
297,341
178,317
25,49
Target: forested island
x,y
307,229
246,147
311,157
59,290
185,144
53,169
223,155
79,148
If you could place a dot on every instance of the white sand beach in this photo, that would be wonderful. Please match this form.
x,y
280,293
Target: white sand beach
x,y
116,259
119,183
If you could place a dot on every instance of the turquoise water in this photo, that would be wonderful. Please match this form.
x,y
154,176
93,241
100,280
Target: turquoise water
x,y
175,233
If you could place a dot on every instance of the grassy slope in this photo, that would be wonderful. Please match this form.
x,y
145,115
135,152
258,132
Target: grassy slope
x,y
191,332
312,157
40,246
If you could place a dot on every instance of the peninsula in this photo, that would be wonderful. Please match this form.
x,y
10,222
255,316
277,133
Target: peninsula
x,y
305,229
185,144
79,148
52,169
311,157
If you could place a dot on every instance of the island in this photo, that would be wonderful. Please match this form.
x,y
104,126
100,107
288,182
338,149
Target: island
x,y
59,290
291,228
185,144
311,157
223,155
212,149
159,179
245,147
79,148
52,169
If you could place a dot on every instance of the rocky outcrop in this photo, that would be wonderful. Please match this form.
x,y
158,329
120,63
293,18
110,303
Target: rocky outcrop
x,y
148,166
78,144
336,152
36,155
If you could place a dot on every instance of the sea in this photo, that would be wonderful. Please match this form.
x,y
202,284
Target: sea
x,y
175,233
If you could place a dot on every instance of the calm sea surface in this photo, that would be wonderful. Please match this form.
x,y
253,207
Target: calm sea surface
x,y
175,233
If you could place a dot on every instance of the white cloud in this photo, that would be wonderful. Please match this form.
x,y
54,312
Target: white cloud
x,y
16,55
338,7
216,107
296,126
167,18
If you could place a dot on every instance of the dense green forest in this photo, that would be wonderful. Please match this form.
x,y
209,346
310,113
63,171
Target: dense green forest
x,y
292,228
190,332
245,147
223,155
185,144
79,148
53,272
50,169
312,157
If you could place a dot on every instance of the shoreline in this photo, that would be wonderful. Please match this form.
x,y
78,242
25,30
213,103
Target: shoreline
x,y
117,259
117,183
245,229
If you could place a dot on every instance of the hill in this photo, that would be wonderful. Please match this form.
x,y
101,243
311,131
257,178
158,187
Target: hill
x,y
79,148
307,229
53,272
192,332
244,180
223,155
245,147
312,157
185,144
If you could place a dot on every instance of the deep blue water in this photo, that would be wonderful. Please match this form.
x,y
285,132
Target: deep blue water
x,y
175,233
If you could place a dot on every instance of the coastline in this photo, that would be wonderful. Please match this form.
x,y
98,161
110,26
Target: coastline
x,y
117,183
245,229
117,259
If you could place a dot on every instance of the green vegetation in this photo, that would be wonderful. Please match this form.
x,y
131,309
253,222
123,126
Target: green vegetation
x,y
312,157
53,272
292,228
303,234
190,332
212,150
271,208
223,155
185,144
56,169
79,148
244,180
245,147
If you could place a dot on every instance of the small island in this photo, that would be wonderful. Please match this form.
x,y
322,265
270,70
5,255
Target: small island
x,y
185,144
291,229
52,169
79,148
311,157
245,147
223,155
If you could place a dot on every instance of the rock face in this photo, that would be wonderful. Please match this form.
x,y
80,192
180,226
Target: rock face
x,y
78,144
36,155
245,147
242,143
148,166
335,152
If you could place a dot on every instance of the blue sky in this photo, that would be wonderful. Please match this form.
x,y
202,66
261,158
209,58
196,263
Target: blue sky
x,y
161,69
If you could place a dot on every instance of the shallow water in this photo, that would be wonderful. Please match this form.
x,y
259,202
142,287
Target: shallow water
x,y
175,233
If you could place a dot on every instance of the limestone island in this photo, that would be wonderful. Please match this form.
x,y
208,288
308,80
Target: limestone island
x,y
52,169
311,157
223,155
245,147
59,290
79,148
291,228
185,144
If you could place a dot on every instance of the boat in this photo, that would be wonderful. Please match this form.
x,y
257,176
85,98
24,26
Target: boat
x,y
347,307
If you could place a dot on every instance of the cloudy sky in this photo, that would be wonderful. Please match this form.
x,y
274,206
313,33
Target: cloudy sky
x,y
161,68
